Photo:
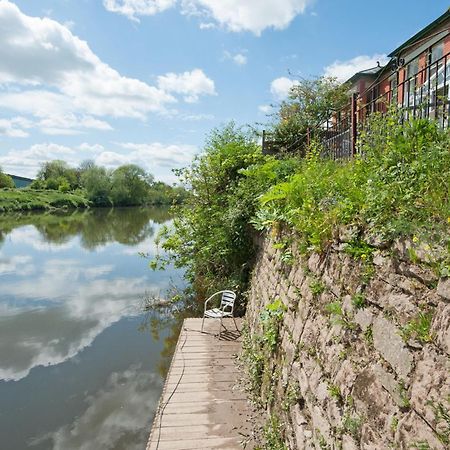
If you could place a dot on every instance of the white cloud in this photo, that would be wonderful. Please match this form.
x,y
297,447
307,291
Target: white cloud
x,y
343,70
238,58
196,117
280,87
207,26
42,53
123,407
15,127
71,124
149,155
27,162
265,109
93,148
247,15
134,8
189,84
16,264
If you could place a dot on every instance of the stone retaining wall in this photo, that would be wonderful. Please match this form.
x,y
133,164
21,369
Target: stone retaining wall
x,y
355,379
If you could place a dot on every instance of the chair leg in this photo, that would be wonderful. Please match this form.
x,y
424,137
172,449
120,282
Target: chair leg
x,y
203,321
220,329
235,324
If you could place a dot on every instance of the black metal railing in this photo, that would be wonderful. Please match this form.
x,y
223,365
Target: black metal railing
x,y
425,94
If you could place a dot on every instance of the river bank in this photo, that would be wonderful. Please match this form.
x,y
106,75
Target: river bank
x,y
12,200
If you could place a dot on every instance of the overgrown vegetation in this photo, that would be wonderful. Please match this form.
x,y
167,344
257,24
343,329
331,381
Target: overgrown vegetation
x,y
212,235
396,186
30,199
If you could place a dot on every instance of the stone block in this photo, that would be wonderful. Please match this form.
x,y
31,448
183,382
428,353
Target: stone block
x,y
314,263
443,288
441,327
413,429
372,402
387,341
387,380
424,275
430,384
364,318
348,443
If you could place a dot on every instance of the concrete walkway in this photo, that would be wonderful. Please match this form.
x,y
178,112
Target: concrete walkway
x,y
201,406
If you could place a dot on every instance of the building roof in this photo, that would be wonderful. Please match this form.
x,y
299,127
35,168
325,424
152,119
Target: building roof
x,y
17,177
372,72
422,33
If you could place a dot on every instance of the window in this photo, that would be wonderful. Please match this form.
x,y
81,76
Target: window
x,y
436,52
412,68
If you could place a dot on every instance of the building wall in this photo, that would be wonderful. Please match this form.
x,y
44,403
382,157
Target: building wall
x,y
353,381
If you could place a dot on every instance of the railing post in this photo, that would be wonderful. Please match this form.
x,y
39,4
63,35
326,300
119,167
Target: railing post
x,y
354,123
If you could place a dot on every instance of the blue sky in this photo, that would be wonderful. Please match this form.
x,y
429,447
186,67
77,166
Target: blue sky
x,y
143,81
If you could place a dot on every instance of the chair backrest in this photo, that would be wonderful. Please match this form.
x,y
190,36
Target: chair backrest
x,y
228,298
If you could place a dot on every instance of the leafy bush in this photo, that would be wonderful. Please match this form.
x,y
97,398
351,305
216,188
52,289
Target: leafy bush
x,y
5,180
212,235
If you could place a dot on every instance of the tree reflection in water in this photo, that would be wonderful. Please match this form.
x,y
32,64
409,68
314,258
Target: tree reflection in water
x,y
169,315
96,227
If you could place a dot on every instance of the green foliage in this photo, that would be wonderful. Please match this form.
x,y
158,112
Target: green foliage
x,y
339,317
211,235
29,199
58,173
352,425
442,417
419,328
271,317
394,424
316,287
273,434
359,250
292,395
129,185
310,103
359,300
335,392
254,358
5,180
368,335
420,445
97,184
397,186
404,395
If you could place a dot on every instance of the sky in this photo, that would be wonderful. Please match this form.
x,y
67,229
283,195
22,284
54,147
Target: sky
x,y
144,81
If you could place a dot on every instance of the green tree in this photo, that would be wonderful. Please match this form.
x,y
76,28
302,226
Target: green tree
x,y
211,234
97,183
56,170
310,104
5,180
130,185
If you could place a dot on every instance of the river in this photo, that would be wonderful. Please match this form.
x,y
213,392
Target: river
x,y
81,364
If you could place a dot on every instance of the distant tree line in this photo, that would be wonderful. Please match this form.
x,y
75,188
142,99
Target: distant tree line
x,y
127,185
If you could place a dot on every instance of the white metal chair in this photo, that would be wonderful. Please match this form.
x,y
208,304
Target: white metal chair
x,y
226,308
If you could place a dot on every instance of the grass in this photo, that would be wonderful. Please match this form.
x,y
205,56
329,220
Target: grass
x,y
419,328
31,199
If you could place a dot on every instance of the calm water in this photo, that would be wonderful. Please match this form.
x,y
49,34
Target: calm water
x,y
81,366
